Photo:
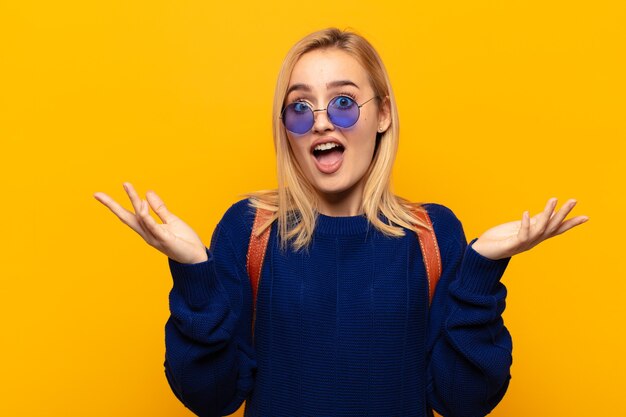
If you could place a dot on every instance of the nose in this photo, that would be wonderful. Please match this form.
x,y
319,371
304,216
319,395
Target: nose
x,y
321,122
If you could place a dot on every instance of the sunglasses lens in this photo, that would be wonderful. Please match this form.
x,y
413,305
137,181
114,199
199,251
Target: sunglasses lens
x,y
298,118
343,111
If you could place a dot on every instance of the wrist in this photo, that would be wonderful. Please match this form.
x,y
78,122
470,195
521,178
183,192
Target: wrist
x,y
198,260
491,251
478,248
201,257
191,259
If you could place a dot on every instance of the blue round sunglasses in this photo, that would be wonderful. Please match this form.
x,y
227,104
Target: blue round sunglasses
x,y
343,111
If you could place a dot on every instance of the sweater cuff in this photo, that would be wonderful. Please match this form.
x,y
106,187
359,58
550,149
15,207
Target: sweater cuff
x,y
195,282
481,274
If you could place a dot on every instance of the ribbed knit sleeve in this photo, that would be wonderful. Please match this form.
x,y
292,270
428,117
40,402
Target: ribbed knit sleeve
x,y
469,346
209,361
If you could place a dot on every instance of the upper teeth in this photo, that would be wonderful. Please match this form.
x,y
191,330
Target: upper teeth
x,y
325,146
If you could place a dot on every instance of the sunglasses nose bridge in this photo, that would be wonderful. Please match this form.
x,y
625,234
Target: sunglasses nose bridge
x,y
321,122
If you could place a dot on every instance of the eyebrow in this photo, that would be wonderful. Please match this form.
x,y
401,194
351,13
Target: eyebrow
x,y
307,87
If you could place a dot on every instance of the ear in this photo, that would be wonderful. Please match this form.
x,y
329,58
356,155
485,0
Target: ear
x,y
384,115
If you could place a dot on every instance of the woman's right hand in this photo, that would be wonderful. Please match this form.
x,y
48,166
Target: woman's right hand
x,y
174,237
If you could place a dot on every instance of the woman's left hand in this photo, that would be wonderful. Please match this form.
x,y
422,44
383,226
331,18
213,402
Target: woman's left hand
x,y
511,238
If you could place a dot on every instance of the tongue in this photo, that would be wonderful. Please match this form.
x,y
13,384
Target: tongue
x,y
330,157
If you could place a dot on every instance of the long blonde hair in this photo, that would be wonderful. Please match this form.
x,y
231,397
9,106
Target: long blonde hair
x,y
293,203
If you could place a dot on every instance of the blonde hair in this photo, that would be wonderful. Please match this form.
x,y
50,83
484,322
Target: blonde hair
x,y
293,203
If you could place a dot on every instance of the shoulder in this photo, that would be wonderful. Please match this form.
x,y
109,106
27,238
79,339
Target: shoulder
x,y
239,211
440,213
237,220
448,227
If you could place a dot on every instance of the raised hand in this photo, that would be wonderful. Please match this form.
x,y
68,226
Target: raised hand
x,y
511,238
174,237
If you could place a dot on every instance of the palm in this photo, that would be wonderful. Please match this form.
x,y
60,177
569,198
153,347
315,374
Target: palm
x,y
511,238
502,232
173,237
178,238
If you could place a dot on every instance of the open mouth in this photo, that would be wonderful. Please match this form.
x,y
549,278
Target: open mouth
x,y
328,153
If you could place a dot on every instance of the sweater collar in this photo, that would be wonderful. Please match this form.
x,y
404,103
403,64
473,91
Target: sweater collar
x,y
342,225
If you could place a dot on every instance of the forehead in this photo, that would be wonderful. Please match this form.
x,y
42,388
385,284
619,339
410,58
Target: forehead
x,y
321,67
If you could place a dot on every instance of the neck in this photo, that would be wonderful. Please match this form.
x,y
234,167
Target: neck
x,y
345,203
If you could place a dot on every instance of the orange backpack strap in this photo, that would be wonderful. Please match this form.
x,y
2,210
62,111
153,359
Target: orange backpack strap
x,y
430,251
256,253
432,257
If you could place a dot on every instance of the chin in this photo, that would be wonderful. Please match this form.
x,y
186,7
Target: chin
x,y
333,188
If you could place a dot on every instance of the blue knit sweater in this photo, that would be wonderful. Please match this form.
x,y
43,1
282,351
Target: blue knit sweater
x,y
343,329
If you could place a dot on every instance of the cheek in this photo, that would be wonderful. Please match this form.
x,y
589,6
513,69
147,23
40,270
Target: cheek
x,y
298,149
367,142
369,122
368,129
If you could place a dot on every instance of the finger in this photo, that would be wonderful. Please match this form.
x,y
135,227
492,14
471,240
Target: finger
x,y
137,205
155,229
570,223
558,218
544,217
524,229
158,206
144,217
132,194
124,215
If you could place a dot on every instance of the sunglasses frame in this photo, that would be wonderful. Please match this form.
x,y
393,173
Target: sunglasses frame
x,y
313,111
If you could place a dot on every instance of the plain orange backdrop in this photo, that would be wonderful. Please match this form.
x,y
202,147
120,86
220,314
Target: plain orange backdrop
x,y
503,103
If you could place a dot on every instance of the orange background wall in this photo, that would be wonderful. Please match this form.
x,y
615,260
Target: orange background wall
x,y
511,102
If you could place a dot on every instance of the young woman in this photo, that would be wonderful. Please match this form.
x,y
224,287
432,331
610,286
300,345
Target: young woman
x,y
342,320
